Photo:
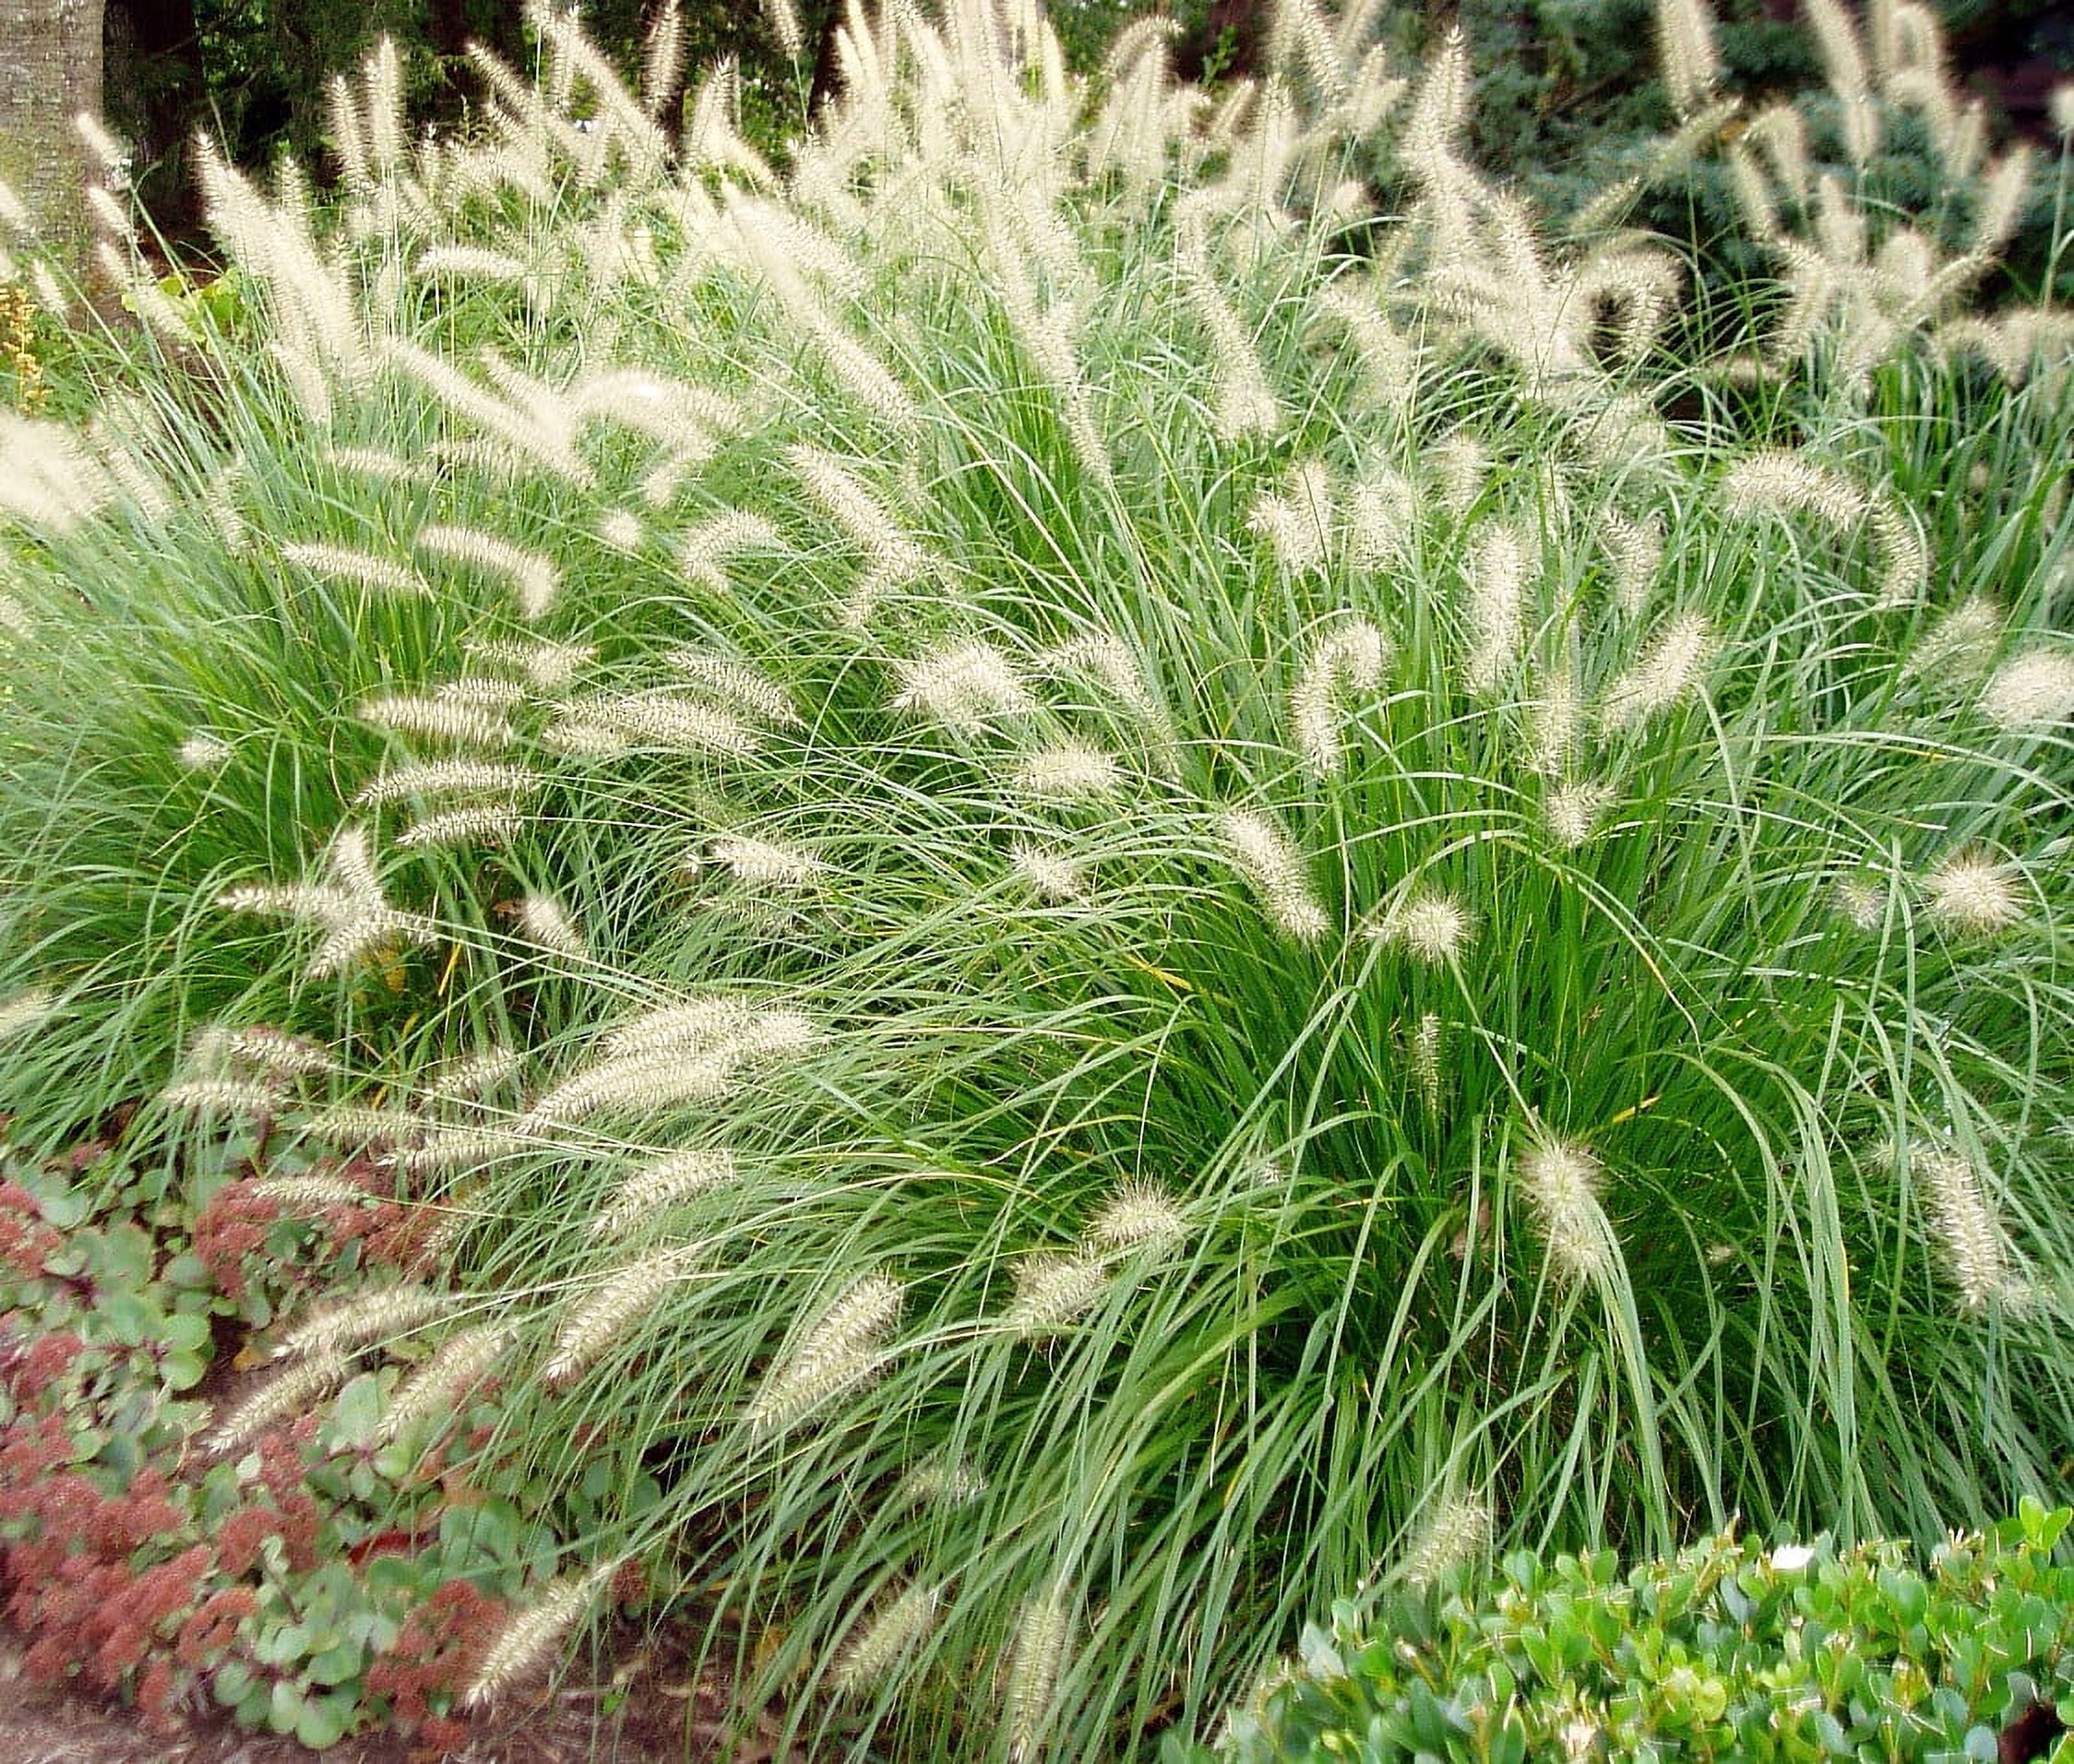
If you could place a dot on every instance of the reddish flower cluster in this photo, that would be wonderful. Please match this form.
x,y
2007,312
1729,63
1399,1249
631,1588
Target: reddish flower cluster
x,y
434,1655
230,1228
211,1631
30,1371
25,1242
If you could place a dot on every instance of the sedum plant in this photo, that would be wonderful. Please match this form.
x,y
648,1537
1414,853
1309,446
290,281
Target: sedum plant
x,y
1093,891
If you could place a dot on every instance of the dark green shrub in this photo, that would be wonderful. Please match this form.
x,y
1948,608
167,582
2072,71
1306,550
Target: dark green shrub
x,y
1732,1650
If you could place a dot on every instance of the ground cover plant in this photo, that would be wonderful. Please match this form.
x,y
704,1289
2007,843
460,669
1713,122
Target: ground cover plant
x,y
1730,1649
1080,880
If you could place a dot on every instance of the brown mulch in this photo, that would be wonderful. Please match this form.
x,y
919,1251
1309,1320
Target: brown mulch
x,y
650,1710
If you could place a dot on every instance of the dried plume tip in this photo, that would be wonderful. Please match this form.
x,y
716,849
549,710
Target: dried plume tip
x,y
1140,1214
1670,668
1050,875
845,1348
1051,1290
204,750
1069,772
1263,854
545,924
533,1633
2030,693
963,686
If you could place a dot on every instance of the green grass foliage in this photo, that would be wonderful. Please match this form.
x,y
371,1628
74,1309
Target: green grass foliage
x,y
1728,1649
1095,891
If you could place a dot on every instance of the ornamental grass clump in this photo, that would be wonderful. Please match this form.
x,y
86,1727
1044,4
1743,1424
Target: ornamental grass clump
x,y
1105,887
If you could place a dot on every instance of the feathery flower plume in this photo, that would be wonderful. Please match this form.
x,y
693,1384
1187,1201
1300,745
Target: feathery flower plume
x,y
462,1360
691,1026
483,691
1071,772
963,686
250,1098
1137,1213
1425,1058
534,578
1691,65
1571,812
1462,463
894,557
668,720
1298,525
288,1393
784,26
1976,1253
845,1347
439,719
2030,692
621,531
1050,875
1033,1669
1111,665
25,1010
1636,551
1554,720
356,1323
351,909
533,1633
1265,857
1350,658
1428,923
355,568
705,549
1380,518
473,1075
619,1302
474,823
1904,567
468,263
1246,402
1497,586
736,683
448,1147
2001,202
1971,893
1959,648
1672,665
270,1050
47,478
1561,1181
1772,481
547,665
305,1196
762,864
657,1186
1051,1291
204,750
1860,902
883,1639
673,1074
545,923
1456,1529
539,431
941,1478
447,778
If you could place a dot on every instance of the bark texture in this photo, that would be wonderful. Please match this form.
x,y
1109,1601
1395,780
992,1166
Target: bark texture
x,y
50,70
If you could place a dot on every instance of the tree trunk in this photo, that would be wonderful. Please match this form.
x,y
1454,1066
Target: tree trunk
x,y
155,91
50,70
